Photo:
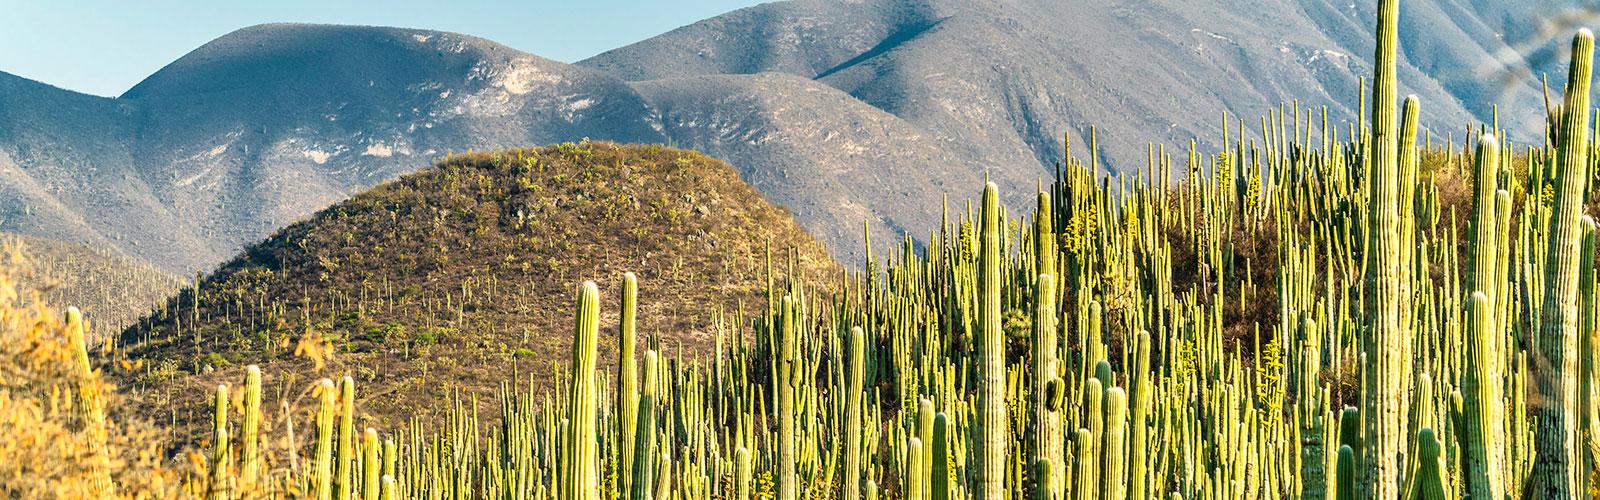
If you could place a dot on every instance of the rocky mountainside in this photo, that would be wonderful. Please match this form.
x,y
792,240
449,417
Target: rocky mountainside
x,y
844,112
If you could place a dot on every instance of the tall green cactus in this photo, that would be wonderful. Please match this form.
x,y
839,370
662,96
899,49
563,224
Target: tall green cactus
x,y
1086,481
741,482
993,440
371,463
1481,400
220,473
644,445
1347,474
344,474
627,397
250,431
1556,434
322,456
939,480
913,478
1388,344
1430,476
784,384
850,482
1114,452
583,454
1047,442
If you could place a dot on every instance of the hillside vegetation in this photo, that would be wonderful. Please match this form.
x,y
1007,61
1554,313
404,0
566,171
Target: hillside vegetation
x,y
114,290
445,280
1350,311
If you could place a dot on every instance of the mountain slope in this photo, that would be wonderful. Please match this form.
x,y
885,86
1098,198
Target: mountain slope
x,y
456,276
844,112
1003,79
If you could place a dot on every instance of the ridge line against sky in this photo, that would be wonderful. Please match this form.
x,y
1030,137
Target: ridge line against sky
x,y
111,45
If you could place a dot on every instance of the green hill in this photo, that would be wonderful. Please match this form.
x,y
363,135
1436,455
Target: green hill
x,y
453,277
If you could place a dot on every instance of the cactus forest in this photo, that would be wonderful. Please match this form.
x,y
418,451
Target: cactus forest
x,y
1303,313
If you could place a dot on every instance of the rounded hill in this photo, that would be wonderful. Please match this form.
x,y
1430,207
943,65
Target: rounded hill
x,y
460,275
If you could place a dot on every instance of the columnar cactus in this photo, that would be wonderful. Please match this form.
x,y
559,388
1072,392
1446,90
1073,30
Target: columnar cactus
x,y
371,463
645,443
1430,476
784,384
582,441
850,483
992,419
250,431
1556,433
913,478
1388,345
627,396
741,482
939,480
1047,442
322,456
344,475
1114,453
1481,402
219,446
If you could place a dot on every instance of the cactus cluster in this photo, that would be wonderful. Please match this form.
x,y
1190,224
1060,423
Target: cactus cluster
x,y
1129,340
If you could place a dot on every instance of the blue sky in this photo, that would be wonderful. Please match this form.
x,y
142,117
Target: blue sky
x,y
104,47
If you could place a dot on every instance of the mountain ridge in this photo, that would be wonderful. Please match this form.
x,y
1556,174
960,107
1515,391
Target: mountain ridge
x,y
845,112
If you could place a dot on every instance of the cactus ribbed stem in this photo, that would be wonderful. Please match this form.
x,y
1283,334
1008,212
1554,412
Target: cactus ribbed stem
x,y
322,456
993,439
1480,389
250,431
741,484
939,487
851,489
219,446
784,384
344,474
627,396
370,463
1047,443
645,443
1556,433
583,453
1388,353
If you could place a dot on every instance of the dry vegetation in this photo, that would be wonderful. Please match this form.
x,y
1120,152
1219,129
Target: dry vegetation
x,y
113,290
456,277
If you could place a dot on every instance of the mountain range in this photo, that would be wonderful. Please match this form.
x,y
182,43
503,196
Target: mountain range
x,y
845,112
